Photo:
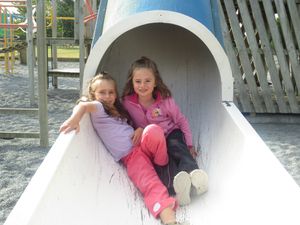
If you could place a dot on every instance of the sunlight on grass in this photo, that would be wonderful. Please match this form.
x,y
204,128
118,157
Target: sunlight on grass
x,y
63,52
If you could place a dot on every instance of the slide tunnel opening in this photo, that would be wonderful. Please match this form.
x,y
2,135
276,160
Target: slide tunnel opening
x,y
185,63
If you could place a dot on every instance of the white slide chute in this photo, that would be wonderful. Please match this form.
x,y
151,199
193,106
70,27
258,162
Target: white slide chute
x,y
79,183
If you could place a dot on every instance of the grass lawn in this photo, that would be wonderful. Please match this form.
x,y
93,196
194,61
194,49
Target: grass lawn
x,y
66,52
62,52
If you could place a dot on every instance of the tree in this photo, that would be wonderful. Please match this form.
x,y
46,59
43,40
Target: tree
x,y
65,8
22,12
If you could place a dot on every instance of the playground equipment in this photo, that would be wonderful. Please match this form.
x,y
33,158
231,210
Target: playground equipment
x,y
84,29
7,28
79,183
7,38
30,24
30,56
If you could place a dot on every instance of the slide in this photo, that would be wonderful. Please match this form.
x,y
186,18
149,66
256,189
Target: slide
x,y
78,183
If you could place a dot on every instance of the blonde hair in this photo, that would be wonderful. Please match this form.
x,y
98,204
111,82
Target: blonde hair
x,y
121,112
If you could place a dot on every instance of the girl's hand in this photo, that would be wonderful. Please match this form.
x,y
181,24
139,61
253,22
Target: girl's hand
x,y
73,122
136,138
193,152
69,125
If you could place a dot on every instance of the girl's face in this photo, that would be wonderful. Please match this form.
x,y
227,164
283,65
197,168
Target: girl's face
x,y
143,81
105,92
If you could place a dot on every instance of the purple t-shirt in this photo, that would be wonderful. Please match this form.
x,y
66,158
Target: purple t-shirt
x,y
115,133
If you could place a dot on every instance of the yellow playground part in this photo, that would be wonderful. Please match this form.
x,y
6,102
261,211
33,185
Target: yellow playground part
x,y
58,18
6,41
8,45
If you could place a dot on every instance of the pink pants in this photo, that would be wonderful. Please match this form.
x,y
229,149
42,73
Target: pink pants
x,y
139,164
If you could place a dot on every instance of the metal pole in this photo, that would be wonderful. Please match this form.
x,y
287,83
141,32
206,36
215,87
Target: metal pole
x,y
30,54
76,22
53,46
42,72
81,42
54,34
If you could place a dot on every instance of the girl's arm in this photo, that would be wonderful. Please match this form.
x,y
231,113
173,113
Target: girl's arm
x,y
180,120
72,123
183,123
137,136
193,151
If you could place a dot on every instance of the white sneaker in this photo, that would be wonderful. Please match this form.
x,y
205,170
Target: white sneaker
x,y
182,186
179,223
199,180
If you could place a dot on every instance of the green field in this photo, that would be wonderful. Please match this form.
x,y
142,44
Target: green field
x,y
66,52
62,52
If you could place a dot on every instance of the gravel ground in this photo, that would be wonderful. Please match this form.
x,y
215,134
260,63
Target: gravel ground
x,y
19,158
284,141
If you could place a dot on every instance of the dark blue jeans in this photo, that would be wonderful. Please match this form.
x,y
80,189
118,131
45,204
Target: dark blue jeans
x,y
180,159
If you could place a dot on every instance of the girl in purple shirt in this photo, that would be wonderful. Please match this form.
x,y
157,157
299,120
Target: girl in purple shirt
x,y
149,101
109,120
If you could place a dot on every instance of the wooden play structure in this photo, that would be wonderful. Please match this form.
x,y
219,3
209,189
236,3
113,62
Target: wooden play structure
x,y
41,111
8,44
42,42
262,40
84,29
79,182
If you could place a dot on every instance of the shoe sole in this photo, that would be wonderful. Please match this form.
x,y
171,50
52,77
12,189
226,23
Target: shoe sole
x,y
199,180
178,223
182,186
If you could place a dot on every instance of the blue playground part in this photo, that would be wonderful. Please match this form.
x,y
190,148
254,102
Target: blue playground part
x,y
78,180
204,11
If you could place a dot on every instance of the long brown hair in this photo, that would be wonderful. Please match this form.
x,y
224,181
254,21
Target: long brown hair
x,y
121,112
146,63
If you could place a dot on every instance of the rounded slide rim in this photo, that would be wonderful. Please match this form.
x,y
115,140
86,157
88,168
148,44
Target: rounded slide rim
x,y
166,17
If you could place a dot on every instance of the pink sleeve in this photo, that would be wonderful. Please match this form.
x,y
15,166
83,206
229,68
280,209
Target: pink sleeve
x,y
134,113
181,121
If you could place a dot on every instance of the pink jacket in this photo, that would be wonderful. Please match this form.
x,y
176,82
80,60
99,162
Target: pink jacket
x,y
163,112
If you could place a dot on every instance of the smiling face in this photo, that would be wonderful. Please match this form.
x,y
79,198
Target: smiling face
x,y
143,81
105,91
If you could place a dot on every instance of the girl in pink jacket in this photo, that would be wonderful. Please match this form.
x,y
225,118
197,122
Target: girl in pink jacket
x,y
109,120
149,101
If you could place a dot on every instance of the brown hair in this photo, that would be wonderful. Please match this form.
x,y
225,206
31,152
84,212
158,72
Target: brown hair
x,y
121,112
146,63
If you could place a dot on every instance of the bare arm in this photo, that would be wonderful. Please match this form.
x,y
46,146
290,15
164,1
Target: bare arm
x,y
137,136
72,123
193,151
